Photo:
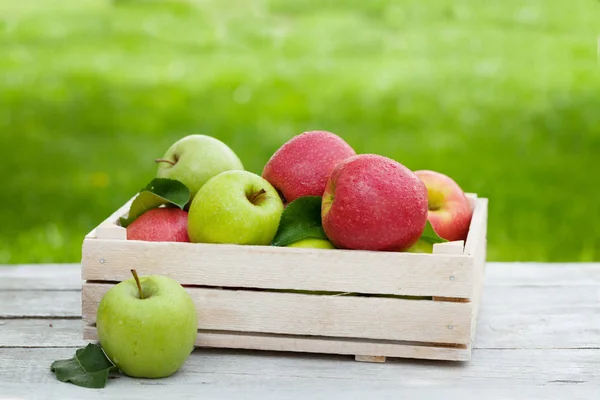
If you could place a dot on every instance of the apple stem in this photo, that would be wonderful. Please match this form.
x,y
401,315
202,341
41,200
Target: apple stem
x,y
137,281
256,195
163,160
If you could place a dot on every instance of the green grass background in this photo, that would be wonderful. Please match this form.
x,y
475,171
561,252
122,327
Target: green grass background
x,y
504,96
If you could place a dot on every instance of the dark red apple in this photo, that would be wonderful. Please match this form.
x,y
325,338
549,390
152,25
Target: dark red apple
x,y
160,225
303,164
374,203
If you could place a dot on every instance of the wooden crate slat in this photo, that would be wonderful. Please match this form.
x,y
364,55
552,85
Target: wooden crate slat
x,y
338,316
479,255
232,340
477,228
271,267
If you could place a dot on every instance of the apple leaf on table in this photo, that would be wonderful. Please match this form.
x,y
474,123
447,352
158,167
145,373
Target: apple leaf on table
x,y
301,219
158,192
88,368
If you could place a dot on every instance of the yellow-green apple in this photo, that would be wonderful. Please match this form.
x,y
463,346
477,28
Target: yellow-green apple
x,y
236,207
373,203
303,164
421,246
194,159
160,225
449,209
312,243
147,326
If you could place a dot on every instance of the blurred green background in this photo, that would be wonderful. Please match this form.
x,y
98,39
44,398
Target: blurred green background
x,y
504,96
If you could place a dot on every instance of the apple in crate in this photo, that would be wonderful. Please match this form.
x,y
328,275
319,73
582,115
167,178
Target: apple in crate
x,y
160,225
374,203
236,207
303,164
449,209
195,159
147,326
312,243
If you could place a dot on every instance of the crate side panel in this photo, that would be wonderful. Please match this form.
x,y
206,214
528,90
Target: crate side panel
x,y
318,345
338,316
479,257
270,267
478,226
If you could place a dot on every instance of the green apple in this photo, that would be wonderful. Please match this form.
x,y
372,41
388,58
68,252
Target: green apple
x,y
195,159
421,246
237,207
147,327
313,243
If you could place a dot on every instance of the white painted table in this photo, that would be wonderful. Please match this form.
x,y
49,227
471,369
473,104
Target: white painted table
x,y
538,337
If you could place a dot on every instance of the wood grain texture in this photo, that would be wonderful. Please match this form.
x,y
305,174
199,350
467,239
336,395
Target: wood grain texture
x,y
543,274
281,268
337,316
306,344
220,374
41,333
40,303
244,388
538,338
532,274
557,303
217,387
477,228
479,262
455,247
549,316
539,317
111,231
40,277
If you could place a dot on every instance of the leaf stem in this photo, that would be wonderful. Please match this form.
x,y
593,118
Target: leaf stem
x,y
163,160
137,281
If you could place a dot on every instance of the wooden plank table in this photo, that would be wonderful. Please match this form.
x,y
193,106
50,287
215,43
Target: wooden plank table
x,y
538,337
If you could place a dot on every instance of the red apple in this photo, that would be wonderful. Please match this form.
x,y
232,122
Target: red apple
x,y
303,164
160,225
449,209
374,203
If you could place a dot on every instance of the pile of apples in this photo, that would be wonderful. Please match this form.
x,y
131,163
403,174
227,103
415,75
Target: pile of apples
x,y
147,326
369,202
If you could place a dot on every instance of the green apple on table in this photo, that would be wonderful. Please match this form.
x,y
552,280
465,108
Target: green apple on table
x,y
195,159
147,326
236,207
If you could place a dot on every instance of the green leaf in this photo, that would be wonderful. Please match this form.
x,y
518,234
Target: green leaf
x,y
430,236
88,368
158,192
301,219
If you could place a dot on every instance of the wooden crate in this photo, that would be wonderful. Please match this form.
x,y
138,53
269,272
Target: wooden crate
x,y
238,292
